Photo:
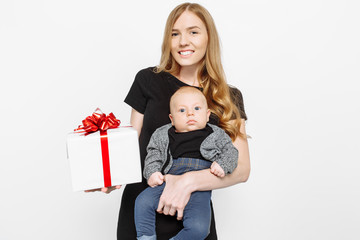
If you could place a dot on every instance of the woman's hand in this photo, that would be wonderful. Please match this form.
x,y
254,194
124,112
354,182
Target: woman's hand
x,y
175,196
106,190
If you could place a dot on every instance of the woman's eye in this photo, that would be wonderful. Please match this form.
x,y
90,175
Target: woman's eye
x,y
193,32
182,110
174,34
197,108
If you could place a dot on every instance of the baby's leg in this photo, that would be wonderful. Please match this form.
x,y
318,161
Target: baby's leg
x,y
145,212
197,217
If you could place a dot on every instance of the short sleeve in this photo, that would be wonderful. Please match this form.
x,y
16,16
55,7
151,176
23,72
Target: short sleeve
x,y
237,99
137,95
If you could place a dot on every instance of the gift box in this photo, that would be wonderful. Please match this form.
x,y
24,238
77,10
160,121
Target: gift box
x,y
103,158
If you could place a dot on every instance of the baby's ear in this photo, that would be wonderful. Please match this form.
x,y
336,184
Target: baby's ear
x,y
208,114
171,119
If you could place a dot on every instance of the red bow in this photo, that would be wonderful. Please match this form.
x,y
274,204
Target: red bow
x,y
98,121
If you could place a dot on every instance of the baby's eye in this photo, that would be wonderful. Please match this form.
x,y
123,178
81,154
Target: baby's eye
x,y
197,108
182,110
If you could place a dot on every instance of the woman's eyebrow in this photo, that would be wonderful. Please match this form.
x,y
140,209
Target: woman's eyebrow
x,y
188,28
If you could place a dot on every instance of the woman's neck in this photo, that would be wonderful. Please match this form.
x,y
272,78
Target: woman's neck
x,y
189,75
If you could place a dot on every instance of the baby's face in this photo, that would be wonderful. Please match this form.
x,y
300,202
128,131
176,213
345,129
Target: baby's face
x,y
189,112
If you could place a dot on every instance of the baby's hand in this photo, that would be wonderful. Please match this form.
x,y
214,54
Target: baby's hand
x,y
217,170
156,179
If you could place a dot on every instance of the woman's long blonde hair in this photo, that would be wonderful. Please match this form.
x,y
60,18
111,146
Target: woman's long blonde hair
x,y
211,73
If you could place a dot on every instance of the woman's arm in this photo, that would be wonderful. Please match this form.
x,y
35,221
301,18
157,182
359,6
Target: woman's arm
x,y
136,120
179,188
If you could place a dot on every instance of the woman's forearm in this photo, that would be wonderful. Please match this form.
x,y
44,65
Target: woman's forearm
x,y
178,188
204,180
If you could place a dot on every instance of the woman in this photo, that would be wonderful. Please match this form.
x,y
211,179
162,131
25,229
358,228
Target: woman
x,y
190,56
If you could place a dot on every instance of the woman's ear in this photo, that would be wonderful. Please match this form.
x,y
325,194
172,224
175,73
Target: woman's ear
x,y
171,119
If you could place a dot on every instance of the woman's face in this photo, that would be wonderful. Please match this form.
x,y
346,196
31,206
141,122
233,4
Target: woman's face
x,y
189,40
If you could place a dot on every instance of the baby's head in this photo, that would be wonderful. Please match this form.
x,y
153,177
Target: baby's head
x,y
188,109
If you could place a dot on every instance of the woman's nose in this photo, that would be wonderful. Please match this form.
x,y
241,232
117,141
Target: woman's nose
x,y
184,41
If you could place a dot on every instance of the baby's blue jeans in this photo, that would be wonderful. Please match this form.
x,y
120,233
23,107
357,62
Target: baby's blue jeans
x,y
197,213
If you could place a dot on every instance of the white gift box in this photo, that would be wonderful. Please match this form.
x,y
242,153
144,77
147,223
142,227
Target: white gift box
x,y
88,155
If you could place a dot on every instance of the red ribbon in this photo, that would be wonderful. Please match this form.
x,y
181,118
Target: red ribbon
x,y
105,158
99,121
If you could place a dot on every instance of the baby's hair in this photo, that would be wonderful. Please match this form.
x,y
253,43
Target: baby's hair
x,y
187,89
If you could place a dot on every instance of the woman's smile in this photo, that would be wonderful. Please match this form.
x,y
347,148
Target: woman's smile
x,y
185,53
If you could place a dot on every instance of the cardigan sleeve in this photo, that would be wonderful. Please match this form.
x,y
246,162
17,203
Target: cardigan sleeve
x,y
218,147
156,151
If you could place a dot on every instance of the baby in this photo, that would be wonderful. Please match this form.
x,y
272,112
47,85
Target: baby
x,y
189,143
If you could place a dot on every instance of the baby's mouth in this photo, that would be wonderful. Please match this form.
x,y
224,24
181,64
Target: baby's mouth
x,y
190,122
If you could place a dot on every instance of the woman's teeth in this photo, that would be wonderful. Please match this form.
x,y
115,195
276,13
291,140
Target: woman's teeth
x,y
186,53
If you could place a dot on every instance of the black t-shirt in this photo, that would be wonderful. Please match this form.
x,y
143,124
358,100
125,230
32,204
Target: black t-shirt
x,y
150,95
187,144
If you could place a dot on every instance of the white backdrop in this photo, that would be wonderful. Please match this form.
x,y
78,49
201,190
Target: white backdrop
x,y
296,63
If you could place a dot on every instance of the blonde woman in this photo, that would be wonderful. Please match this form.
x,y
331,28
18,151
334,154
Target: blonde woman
x,y
190,57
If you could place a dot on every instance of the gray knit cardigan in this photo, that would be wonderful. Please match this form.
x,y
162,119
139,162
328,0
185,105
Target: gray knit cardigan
x,y
216,147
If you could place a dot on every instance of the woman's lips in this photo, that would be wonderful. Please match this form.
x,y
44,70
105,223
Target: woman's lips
x,y
186,52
